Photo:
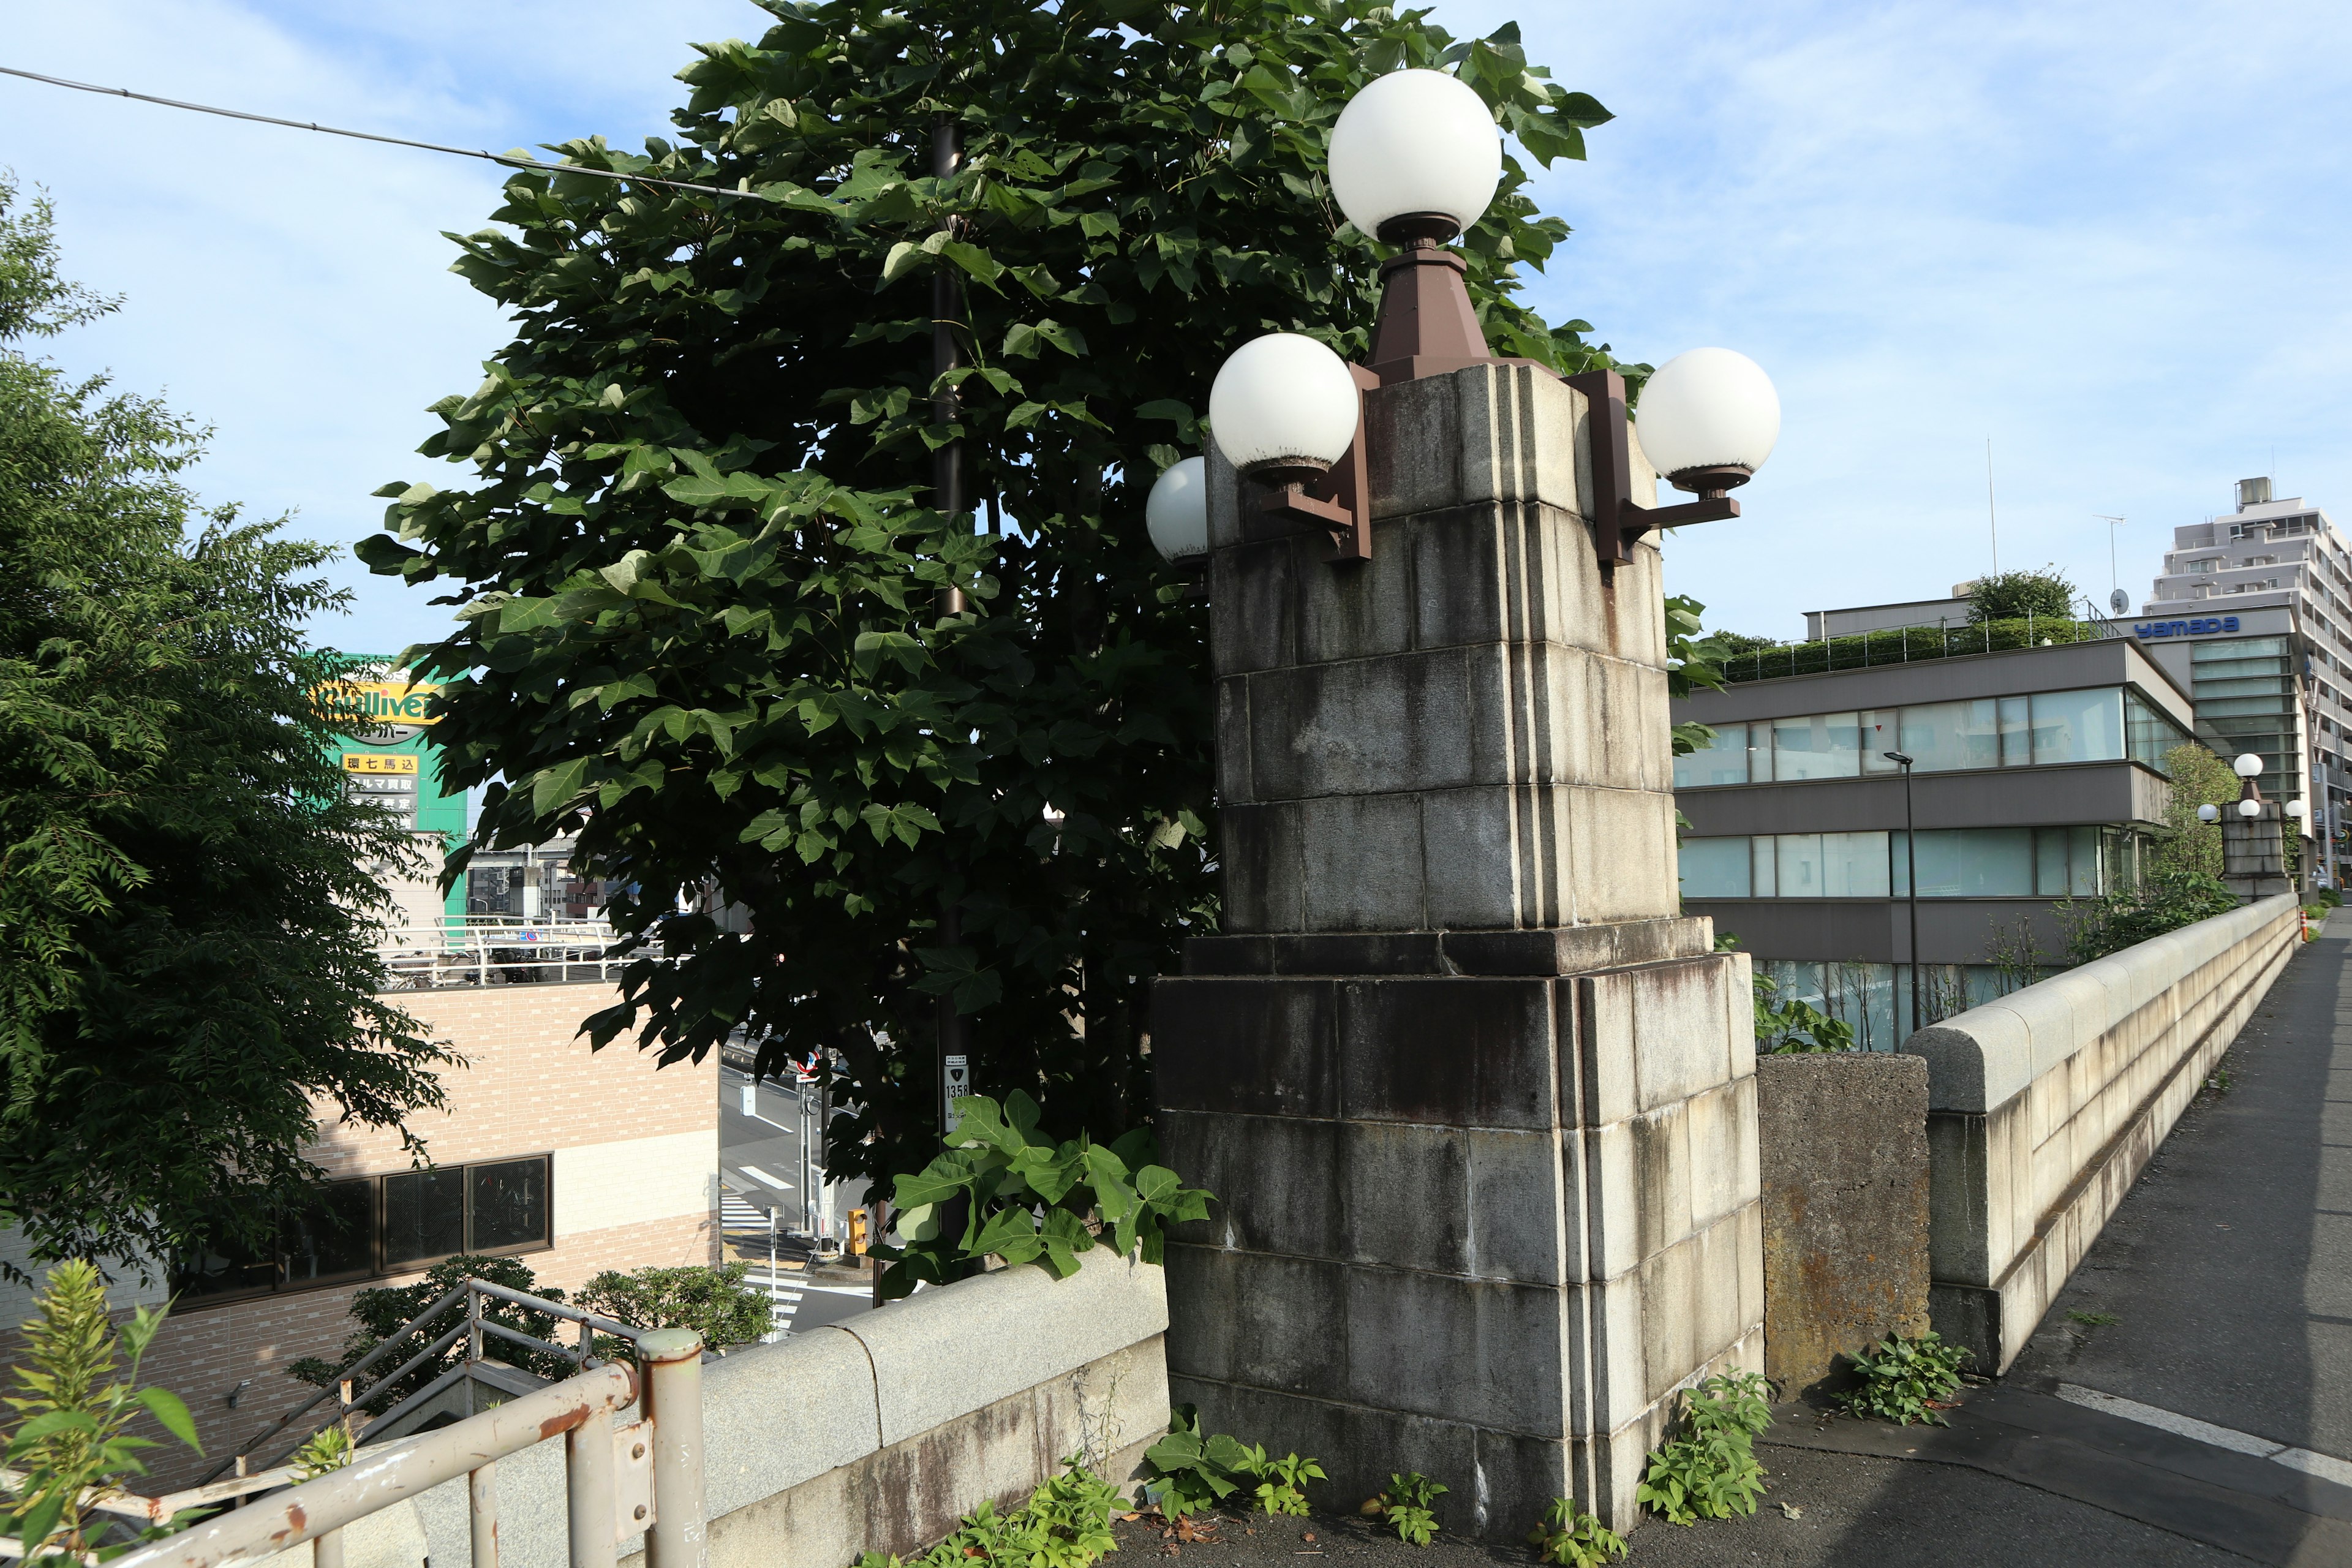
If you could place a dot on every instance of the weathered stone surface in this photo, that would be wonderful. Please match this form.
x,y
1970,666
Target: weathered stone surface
x,y
1481,1102
1844,1140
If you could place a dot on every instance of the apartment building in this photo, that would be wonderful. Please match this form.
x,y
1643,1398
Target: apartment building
x,y
2253,615
2037,774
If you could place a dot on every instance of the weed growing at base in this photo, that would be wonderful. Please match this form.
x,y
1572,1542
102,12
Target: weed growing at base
x,y
1066,1523
1189,1470
1903,1378
1711,1471
1570,1538
1410,1505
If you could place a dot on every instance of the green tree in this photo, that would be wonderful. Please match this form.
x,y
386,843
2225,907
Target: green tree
x,y
187,965
697,565
2197,778
2013,595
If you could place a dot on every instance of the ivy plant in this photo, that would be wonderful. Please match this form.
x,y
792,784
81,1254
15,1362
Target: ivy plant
x,y
696,565
1710,1470
1001,1189
1905,1378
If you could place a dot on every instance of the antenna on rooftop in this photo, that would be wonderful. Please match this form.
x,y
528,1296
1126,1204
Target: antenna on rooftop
x,y
2115,578
1991,516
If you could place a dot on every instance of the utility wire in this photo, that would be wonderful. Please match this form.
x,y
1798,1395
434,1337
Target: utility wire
x,y
507,159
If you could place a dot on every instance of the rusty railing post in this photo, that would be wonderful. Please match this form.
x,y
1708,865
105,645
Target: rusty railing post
x,y
482,1513
671,1360
590,1490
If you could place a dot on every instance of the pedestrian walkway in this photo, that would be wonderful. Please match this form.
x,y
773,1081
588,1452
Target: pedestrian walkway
x,y
2222,1291
2188,1398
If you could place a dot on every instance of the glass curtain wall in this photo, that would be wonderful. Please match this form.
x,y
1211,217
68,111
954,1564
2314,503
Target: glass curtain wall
x,y
2099,724
2078,861
1875,999
2246,701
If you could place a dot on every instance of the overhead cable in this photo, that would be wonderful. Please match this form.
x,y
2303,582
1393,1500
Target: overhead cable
x,y
508,159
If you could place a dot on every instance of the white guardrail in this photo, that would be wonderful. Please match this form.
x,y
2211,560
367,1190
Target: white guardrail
x,y
479,953
644,1477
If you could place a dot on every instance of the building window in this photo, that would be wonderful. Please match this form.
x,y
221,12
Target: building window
x,y
1954,863
1716,868
1822,746
1722,761
2078,726
392,1224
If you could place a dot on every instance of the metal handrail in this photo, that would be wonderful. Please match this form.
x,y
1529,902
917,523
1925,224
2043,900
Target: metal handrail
x,y
473,1327
646,1477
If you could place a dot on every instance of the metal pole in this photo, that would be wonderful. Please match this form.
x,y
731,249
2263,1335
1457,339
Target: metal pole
x,y
590,1493
673,1399
947,487
1911,879
482,1513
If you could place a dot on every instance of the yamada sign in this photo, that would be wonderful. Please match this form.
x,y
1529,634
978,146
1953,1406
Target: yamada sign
x,y
2203,626
386,702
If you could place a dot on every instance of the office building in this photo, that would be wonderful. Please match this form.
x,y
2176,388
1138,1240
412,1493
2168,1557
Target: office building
x,y
2037,775
2253,615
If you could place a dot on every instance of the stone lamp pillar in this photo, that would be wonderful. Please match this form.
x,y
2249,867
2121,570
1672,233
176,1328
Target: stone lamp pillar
x,y
1478,1103
2253,852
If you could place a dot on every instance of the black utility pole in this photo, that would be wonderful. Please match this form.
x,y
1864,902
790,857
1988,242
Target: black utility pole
x,y
1910,879
947,494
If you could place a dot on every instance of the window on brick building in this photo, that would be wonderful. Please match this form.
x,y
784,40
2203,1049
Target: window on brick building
x,y
393,1224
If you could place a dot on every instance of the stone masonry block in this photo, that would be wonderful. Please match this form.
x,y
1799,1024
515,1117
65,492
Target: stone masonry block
x,y
1257,1317
1367,726
1475,843
1280,1180
1487,433
1478,1350
1354,610
1261,850
1254,626
1621,854
1480,1203
1678,1041
1256,1046
1845,1206
1450,1051
1360,864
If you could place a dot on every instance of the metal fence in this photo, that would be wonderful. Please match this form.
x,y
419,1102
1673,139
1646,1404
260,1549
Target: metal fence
x,y
1906,645
646,1476
497,952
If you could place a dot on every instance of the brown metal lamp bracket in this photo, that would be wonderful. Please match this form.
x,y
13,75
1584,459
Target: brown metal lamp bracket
x,y
1338,500
1617,522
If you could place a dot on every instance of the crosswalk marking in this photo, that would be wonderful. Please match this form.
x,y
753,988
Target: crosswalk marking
x,y
758,1174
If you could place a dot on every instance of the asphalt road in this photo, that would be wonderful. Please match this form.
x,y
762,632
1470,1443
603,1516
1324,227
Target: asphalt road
x,y
760,1172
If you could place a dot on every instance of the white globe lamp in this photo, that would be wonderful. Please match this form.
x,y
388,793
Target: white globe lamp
x,y
1284,408
1177,512
1708,419
2294,808
2248,764
2208,814
2250,808
1415,155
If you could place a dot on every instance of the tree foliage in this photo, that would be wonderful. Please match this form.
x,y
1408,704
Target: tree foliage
x,y
2013,595
2197,777
187,907
697,565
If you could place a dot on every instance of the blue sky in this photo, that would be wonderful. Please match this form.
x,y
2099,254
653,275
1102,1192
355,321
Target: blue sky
x,y
2109,236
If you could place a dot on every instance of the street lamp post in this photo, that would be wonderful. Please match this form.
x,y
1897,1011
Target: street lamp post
x,y
1910,879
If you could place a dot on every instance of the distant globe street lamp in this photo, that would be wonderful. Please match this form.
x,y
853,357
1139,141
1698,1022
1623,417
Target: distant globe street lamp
x,y
2208,814
1177,512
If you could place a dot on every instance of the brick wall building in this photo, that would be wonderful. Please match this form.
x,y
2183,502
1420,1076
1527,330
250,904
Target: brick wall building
x,y
630,1179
